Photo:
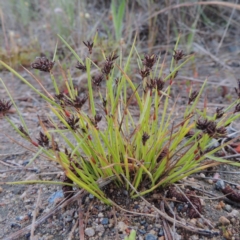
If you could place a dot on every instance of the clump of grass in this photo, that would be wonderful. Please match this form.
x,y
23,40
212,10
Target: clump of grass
x,y
129,132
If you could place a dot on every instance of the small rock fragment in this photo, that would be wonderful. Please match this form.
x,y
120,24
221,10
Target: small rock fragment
x,y
100,228
234,213
228,208
150,237
202,175
193,221
194,237
210,181
89,232
224,221
220,185
55,196
121,227
220,205
105,221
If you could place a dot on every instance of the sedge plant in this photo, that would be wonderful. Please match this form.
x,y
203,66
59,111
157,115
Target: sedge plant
x,y
122,129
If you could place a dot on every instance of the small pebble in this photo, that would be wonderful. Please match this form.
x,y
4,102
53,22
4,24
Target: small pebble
x,y
194,237
104,221
100,228
142,222
68,218
55,196
233,220
200,223
220,185
89,232
122,227
91,196
224,221
234,213
1,189
100,215
160,233
25,162
228,208
210,181
152,232
202,202
142,231
202,175
193,221
150,237
191,179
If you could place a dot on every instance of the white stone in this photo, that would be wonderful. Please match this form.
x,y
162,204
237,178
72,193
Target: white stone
x,y
89,232
122,226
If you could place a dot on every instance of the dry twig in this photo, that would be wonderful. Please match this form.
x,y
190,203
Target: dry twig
x,y
35,213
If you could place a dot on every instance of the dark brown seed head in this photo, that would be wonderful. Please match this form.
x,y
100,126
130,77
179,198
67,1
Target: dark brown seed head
x,y
149,60
111,57
237,90
202,124
43,140
163,153
207,126
23,131
145,137
144,72
104,102
221,132
42,64
97,80
178,55
68,153
108,66
237,108
159,84
117,81
78,102
151,84
4,107
89,45
219,112
211,128
192,97
60,96
189,134
81,67
97,118
73,122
